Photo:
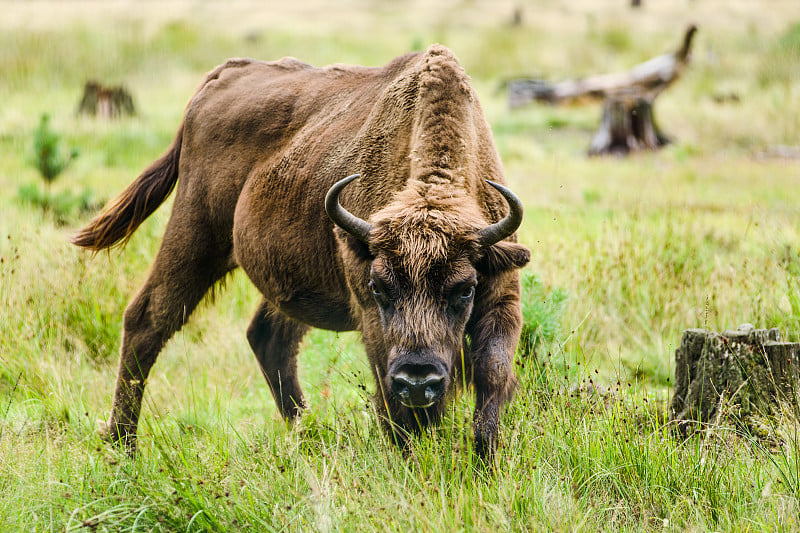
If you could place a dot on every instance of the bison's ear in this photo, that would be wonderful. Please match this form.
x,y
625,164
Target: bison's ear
x,y
502,257
355,246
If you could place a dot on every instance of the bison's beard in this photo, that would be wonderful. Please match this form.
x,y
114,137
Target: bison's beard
x,y
403,422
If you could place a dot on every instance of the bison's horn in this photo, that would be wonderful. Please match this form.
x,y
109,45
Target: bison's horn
x,y
502,229
340,216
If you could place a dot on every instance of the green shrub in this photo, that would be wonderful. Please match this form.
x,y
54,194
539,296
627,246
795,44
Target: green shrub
x,y
47,156
64,206
542,311
49,159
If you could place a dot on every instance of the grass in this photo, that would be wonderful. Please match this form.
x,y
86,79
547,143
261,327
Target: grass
x,y
626,254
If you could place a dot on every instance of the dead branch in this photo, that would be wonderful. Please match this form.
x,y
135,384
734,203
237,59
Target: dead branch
x,y
646,79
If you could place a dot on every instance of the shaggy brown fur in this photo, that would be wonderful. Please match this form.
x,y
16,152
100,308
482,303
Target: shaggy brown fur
x,y
260,145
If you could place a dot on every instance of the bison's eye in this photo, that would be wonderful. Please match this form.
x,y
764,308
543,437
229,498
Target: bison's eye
x,y
467,293
374,288
378,292
460,297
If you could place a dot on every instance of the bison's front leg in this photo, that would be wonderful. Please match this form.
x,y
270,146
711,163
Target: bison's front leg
x,y
494,334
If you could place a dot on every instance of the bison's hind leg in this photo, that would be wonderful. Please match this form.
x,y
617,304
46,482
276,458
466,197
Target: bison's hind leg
x,y
186,267
275,340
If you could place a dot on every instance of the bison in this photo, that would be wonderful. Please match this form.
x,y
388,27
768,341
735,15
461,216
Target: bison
x,y
422,261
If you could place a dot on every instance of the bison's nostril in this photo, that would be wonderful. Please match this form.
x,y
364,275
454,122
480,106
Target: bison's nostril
x,y
430,394
400,390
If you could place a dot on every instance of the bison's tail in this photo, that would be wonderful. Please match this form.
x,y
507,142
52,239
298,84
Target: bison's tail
x,y
120,218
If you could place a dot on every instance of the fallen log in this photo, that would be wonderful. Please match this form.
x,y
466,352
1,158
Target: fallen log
x,y
647,79
743,375
628,123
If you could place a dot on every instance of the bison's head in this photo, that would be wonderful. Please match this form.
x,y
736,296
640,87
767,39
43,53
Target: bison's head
x,y
422,270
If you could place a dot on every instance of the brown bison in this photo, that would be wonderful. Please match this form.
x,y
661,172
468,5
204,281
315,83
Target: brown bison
x,y
423,262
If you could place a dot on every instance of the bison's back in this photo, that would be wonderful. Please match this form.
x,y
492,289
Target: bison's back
x,y
285,114
277,123
263,142
256,102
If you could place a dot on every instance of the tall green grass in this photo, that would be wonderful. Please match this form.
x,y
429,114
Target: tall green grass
x,y
625,255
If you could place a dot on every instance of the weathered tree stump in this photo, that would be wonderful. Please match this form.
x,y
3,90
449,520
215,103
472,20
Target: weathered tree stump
x,y
744,375
627,125
106,102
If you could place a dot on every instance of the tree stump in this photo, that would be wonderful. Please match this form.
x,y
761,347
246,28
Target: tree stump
x,y
743,375
106,102
627,125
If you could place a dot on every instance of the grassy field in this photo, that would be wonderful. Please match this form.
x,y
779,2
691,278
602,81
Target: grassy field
x,y
626,254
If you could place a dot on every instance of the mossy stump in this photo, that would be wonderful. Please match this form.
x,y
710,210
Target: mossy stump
x,y
105,102
743,375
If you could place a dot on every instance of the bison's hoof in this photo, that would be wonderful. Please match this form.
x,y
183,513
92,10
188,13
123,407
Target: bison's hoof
x,y
117,436
485,450
102,430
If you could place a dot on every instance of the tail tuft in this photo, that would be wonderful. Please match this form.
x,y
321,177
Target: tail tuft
x,y
123,215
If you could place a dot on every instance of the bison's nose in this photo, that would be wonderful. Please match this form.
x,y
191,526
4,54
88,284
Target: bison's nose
x,y
417,389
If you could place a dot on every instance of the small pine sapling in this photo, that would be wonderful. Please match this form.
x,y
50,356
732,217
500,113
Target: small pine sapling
x,y
47,155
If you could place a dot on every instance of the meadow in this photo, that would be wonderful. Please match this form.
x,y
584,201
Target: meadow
x,y
626,254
